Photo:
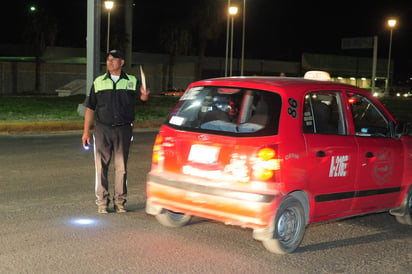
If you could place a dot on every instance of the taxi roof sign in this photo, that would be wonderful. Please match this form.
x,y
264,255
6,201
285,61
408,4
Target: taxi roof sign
x,y
317,75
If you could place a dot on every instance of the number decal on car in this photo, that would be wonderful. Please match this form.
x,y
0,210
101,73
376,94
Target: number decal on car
x,y
293,104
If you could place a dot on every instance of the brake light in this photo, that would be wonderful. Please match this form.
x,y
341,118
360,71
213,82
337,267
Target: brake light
x,y
266,153
157,149
266,164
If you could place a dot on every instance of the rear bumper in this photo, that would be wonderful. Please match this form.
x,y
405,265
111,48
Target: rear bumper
x,y
254,210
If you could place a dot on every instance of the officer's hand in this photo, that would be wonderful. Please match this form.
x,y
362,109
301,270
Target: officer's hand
x,y
85,139
145,93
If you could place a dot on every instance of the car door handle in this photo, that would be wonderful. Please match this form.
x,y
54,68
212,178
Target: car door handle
x,y
320,153
369,155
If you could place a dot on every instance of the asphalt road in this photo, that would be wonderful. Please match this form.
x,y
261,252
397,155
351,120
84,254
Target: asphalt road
x,y
49,224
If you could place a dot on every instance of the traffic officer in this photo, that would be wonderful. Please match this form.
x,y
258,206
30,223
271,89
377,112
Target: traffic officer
x,y
111,102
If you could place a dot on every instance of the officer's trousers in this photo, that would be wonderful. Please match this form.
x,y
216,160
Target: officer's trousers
x,y
111,142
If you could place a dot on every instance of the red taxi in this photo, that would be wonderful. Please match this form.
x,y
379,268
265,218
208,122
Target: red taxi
x,y
276,154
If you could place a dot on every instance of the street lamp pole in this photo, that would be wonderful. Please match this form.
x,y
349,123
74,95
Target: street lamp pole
x,y
242,59
232,12
391,24
227,37
109,6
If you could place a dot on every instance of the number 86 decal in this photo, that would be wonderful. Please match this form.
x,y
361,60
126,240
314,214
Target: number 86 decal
x,y
293,104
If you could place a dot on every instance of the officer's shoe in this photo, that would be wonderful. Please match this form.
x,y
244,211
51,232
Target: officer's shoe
x,y
102,209
120,209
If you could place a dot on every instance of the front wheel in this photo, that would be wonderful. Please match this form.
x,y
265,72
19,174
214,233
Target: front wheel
x,y
172,219
407,203
288,227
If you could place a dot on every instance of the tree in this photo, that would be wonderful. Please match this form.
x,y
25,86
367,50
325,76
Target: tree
x,y
40,32
209,20
175,38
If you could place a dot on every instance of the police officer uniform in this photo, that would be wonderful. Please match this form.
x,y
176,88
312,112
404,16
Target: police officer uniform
x,y
113,103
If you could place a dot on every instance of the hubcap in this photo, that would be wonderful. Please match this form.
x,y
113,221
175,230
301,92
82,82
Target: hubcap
x,y
287,225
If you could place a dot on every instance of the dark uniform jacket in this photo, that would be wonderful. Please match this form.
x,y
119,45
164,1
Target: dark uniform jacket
x,y
113,103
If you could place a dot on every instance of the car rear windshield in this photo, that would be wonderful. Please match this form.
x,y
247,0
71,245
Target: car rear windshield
x,y
227,111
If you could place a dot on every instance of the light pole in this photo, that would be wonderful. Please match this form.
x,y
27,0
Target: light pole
x,y
109,6
232,12
391,23
227,37
242,59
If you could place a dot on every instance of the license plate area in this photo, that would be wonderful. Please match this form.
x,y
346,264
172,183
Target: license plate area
x,y
204,154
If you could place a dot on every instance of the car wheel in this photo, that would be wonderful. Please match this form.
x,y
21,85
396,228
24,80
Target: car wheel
x,y
172,219
407,203
289,227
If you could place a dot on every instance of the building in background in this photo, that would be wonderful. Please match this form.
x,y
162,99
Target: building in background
x,y
62,66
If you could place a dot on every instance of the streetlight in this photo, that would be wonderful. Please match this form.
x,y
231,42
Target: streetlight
x,y
232,12
108,5
391,23
227,37
242,59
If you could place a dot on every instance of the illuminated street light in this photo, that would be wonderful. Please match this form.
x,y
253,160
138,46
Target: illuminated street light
x,y
391,23
108,5
232,12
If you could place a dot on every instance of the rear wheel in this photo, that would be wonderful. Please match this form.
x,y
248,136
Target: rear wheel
x,y
407,203
172,219
289,227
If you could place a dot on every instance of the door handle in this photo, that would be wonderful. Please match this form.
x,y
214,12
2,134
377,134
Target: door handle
x,y
320,153
369,155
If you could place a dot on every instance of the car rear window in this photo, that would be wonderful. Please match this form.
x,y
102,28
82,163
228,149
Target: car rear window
x,y
228,111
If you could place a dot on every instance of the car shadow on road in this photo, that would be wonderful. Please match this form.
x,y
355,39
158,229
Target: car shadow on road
x,y
354,241
135,207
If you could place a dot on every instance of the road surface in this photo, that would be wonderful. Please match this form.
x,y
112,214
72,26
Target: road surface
x,y
49,224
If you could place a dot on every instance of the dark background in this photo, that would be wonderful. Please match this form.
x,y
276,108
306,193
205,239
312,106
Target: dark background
x,y
275,30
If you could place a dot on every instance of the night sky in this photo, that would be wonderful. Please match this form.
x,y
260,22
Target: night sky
x,y
275,30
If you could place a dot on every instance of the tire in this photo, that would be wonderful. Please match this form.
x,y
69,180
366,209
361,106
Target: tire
x,y
288,227
407,204
172,219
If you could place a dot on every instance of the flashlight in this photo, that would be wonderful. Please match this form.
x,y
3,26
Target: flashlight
x,y
86,145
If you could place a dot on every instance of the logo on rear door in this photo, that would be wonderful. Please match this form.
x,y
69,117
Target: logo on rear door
x,y
338,166
383,166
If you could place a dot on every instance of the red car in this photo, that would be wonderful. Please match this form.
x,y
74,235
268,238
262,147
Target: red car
x,y
276,154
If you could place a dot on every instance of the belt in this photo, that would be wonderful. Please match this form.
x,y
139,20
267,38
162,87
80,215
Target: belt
x,y
122,125
115,125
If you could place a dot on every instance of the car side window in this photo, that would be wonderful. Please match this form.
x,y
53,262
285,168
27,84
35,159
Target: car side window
x,y
323,113
367,118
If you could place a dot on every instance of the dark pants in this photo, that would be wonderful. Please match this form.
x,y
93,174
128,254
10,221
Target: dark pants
x,y
111,141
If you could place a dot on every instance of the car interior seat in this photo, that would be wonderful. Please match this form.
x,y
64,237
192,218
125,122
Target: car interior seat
x,y
322,114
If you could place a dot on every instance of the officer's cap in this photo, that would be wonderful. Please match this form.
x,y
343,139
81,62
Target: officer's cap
x,y
115,53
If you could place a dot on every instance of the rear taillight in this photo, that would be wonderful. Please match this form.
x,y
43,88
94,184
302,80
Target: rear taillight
x,y
265,164
157,149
